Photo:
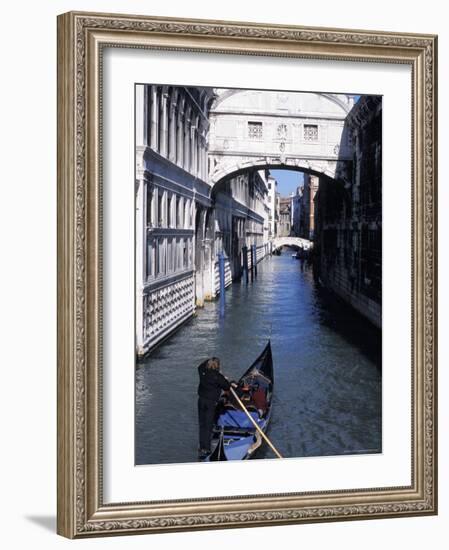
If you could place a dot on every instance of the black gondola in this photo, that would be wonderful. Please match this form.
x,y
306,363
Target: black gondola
x,y
235,437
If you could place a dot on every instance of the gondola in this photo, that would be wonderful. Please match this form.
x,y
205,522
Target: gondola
x,y
302,254
234,435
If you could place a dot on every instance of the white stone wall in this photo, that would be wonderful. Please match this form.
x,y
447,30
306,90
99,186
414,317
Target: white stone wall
x,y
265,128
272,184
240,219
171,174
264,206
191,203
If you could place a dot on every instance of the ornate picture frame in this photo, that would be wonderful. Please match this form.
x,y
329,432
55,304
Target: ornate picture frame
x,y
82,38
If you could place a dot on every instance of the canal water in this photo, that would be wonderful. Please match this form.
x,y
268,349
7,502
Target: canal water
x,y
327,367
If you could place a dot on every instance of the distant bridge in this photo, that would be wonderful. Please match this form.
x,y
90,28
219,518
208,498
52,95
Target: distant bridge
x,y
295,242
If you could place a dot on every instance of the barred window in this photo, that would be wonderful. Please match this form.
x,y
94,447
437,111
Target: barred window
x,y
162,257
169,211
150,206
255,130
161,212
311,132
178,212
151,258
184,254
187,213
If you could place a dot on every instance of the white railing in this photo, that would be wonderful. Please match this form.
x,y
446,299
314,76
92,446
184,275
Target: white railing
x,y
166,308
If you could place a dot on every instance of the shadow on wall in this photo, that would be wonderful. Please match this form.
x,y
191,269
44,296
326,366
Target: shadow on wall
x,y
348,215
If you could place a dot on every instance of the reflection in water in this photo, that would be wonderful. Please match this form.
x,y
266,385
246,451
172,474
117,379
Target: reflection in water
x,y
327,361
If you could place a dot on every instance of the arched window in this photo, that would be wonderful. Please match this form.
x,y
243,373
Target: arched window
x,y
160,124
185,141
170,123
150,115
184,253
177,214
151,249
181,213
169,210
150,205
187,214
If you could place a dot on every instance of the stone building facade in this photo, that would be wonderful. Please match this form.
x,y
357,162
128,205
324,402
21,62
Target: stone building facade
x,y
284,225
277,129
277,206
348,237
203,187
296,211
172,200
183,222
241,213
307,206
272,214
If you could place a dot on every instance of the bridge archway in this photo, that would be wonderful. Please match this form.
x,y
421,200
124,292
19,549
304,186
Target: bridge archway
x,y
301,165
255,129
293,242
323,181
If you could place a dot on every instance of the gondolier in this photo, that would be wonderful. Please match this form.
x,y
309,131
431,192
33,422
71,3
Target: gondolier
x,y
242,415
212,382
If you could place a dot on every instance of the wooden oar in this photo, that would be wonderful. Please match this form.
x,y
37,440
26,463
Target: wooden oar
x,y
244,409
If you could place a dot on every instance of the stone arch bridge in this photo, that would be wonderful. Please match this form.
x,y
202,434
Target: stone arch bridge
x,y
257,129
294,242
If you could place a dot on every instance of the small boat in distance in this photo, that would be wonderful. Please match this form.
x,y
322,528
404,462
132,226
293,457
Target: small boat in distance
x,y
234,436
302,254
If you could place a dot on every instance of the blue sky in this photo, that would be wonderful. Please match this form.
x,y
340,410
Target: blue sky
x,y
288,180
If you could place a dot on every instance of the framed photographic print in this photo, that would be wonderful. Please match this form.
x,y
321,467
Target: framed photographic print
x,y
246,274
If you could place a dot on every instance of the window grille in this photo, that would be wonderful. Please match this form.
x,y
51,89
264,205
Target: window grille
x,y
255,130
310,132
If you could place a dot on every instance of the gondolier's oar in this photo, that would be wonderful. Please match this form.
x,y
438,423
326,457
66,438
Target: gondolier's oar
x,y
244,409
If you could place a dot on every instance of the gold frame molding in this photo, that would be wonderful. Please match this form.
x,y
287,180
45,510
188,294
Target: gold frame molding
x,y
81,37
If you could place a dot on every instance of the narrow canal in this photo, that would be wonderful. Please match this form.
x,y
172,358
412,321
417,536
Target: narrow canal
x,y
327,361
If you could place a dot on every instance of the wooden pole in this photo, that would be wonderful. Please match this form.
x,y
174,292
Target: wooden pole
x,y
221,270
273,448
251,253
245,262
255,261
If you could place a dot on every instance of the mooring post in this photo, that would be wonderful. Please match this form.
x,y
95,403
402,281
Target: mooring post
x,y
251,249
255,260
245,262
221,270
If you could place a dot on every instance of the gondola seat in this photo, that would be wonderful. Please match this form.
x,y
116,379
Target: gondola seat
x,y
237,419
